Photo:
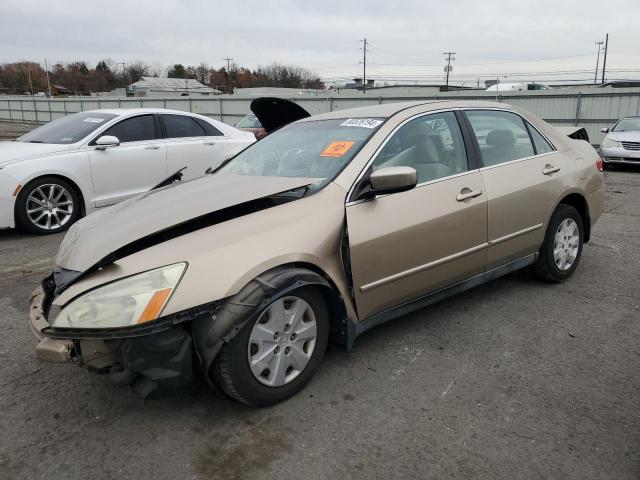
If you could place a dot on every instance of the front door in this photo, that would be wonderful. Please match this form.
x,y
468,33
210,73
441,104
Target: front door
x,y
132,167
405,245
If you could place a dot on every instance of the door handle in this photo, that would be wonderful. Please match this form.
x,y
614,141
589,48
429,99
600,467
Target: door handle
x,y
462,196
152,147
208,143
549,169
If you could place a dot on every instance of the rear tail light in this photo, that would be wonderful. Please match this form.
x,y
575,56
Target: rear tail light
x,y
599,164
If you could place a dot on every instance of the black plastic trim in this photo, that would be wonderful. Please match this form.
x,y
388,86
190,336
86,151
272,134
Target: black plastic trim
x,y
474,161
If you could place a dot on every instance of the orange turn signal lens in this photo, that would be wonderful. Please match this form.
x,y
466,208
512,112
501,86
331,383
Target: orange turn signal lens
x,y
18,188
154,307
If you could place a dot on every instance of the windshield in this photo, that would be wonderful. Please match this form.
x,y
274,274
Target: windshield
x,y
627,125
250,121
70,129
313,149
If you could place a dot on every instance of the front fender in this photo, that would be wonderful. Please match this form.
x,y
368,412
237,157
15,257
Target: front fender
x,y
211,332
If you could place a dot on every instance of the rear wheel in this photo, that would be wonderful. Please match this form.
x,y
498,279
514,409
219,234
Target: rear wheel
x,y
47,205
562,247
275,355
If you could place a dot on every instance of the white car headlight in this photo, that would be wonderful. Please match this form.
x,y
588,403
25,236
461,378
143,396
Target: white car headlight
x,y
610,143
131,301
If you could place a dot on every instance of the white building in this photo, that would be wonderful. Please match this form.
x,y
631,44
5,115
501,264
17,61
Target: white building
x,y
163,87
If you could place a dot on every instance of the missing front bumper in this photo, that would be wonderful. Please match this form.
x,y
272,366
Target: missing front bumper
x,y
48,349
151,364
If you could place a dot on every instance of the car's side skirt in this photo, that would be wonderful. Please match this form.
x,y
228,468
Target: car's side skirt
x,y
433,297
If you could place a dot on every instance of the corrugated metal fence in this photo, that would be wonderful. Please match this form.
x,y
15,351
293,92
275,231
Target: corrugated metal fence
x,y
593,109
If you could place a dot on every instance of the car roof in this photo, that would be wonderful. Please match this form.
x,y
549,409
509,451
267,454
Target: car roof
x,y
386,110
134,111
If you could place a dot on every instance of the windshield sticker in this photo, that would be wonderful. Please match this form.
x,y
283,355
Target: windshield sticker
x,y
94,120
361,122
336,149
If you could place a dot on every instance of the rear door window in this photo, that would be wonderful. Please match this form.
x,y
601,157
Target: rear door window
x,y
502,136
181,126
209,129
134,129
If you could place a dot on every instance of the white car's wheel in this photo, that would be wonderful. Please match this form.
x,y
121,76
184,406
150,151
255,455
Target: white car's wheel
x,y
47,205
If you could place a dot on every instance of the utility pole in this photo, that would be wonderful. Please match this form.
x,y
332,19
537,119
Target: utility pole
x,y
30,82
604,62
448,68
46,69
599,44
364,65
124,75
228,70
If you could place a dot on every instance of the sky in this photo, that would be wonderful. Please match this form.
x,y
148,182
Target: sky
x,y
512,40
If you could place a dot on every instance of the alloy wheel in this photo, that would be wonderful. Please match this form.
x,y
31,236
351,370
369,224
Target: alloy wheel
x,y
49,206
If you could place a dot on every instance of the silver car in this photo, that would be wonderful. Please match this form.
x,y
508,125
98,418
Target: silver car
x,y
621,143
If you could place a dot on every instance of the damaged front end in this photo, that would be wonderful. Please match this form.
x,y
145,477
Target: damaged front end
x,y
155,359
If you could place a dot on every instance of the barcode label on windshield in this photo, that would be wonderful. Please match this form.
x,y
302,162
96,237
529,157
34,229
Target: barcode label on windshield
x,y
361,122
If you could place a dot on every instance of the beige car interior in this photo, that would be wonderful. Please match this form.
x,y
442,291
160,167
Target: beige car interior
x,y
433,154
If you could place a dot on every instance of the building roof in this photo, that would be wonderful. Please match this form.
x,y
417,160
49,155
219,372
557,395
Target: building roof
x,y
172,85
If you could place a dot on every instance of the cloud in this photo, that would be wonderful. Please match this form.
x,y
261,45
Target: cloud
x,y
406,38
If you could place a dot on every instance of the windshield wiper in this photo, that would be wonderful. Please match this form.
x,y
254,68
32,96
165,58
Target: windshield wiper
x,y
36,141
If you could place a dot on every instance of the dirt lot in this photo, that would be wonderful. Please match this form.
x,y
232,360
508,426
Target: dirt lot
x,y
9,131
514,379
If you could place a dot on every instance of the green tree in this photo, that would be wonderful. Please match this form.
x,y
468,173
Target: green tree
x,y
177,71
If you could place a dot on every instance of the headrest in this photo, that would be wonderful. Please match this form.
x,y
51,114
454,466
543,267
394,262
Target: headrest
x,y
501,138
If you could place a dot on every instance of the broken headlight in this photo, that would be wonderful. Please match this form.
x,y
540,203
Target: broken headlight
x,y
130,301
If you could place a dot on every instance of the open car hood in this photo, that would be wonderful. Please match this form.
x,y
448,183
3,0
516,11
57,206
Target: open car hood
x,y
274,113
166,213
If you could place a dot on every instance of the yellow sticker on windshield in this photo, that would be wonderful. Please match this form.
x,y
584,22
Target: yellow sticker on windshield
x,y
336,149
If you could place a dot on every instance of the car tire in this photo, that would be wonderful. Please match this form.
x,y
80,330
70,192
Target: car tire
x,y
562,248
238,368
47,205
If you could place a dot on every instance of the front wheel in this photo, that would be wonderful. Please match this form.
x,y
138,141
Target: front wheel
x,y
275,355
562,248
47,205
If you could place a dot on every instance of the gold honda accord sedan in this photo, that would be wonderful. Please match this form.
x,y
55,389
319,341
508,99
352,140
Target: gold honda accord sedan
x,y
328,226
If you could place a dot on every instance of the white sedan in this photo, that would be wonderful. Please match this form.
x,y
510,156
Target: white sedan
x,y
67,168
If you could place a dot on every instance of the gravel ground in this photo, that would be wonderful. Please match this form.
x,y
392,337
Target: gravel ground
x,y
9,131
514,379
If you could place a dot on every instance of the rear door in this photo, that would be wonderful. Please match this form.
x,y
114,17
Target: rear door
x,y
191,142
132,167
407,244
522,173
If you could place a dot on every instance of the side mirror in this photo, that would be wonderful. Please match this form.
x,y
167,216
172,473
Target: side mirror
x,y
605,130
393,180
107,141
